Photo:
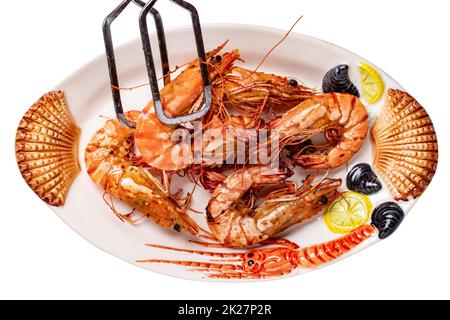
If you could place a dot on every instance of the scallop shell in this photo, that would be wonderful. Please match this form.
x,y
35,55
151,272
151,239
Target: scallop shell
x,y
387,218
405,146
363,180
337,80
47,147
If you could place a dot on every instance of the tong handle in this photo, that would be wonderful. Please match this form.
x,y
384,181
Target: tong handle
x,y
151,65
111,59
148,8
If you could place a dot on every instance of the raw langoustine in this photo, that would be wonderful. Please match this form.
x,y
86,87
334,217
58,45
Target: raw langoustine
x,y
282,259
342,118
235,223
111,164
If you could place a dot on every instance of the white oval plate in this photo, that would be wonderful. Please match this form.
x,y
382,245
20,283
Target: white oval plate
x,y
89,97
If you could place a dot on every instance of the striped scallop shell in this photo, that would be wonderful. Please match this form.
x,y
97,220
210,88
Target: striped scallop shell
x,y
47,147
405,146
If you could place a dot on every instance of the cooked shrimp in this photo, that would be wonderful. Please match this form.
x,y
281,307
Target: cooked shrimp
x,y
247,91
343,120
110,163
185,93
236,224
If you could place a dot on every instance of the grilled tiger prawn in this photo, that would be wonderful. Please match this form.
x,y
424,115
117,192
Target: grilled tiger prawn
x,y
247,91
236,224
111,164
185,93
342,118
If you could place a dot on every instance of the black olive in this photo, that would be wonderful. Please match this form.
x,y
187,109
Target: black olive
x,y
177,228
218,58
251,263
293,83
323,199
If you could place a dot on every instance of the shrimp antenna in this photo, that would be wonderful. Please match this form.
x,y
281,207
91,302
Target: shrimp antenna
x,y
277,45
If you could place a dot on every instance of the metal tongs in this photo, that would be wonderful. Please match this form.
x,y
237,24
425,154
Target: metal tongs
x,y
148,8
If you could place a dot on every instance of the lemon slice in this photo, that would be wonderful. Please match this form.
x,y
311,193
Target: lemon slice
x,y
371,82
348,213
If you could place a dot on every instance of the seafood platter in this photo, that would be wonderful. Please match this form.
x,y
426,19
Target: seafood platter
x,y
306,155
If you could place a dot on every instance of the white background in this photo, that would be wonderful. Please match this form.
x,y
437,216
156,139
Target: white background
x,y
44,41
